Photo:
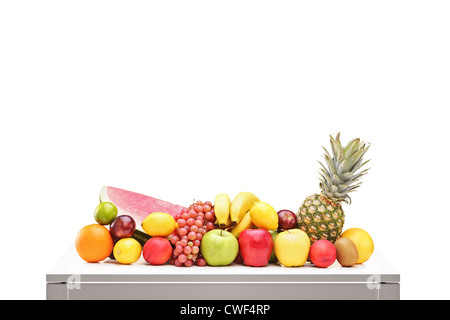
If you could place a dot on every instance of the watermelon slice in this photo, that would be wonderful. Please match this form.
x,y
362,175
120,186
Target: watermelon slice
x,y
137,205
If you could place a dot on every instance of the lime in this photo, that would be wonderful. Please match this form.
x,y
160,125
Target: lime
x,y
105,213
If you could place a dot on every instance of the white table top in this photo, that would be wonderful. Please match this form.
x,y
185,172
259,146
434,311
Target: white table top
x,y
377,269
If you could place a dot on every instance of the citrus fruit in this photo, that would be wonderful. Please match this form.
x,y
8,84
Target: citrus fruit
x,y
159,224
263,215
105,213
94,243
127,251
363,242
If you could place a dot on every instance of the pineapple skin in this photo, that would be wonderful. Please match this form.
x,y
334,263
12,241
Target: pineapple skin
x,y
321,218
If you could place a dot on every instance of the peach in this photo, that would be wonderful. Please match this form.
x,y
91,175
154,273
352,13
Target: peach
x,y
322,253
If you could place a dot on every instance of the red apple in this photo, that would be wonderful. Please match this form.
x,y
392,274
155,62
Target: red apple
x,y
286,220
157,251
322,253
256,246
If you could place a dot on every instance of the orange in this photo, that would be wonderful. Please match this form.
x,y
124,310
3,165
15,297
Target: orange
x,y
94,243
363,242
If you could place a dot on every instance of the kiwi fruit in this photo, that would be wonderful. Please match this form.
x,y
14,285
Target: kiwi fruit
x,y
346,252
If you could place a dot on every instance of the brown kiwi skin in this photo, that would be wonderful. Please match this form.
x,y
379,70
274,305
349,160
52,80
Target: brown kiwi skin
x,y
346,252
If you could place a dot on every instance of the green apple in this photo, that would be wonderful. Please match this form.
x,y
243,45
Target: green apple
x,y
219,247
273,256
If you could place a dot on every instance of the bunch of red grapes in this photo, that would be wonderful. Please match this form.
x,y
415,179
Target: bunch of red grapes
x,y
193,223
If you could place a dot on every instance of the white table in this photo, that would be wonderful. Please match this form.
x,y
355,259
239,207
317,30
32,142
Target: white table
x,y
72,278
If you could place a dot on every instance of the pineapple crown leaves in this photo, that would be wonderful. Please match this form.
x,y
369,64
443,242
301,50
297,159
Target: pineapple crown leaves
x,y
340,176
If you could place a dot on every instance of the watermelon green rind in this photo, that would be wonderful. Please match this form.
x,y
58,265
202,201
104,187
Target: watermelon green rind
x,y
141,237
137,205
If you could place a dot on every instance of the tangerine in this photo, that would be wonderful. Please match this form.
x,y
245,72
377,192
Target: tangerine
x,y
94,243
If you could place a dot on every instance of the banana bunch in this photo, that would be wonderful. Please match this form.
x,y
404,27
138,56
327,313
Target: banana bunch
x,y
230,213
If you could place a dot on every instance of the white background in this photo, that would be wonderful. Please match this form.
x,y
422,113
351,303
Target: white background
x,y
186,99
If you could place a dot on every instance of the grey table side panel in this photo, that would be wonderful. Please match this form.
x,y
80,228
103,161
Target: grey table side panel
x,y
225,291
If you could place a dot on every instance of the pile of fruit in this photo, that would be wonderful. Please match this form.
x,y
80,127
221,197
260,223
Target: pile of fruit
x,y
244,230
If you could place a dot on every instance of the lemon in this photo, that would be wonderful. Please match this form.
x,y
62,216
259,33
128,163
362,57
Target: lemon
x,y
363,242
263,215
159,224
127,251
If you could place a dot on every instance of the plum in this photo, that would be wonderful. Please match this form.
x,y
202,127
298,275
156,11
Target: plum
x,y
122,227
286,220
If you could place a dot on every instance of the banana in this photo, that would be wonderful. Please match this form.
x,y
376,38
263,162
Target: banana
x,y
241,204
222,209
245,223
228,225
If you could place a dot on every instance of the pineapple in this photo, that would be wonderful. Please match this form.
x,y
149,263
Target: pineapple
x,y
321,215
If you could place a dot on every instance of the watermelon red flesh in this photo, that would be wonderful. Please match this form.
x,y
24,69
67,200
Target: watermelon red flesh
x,y
137,205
